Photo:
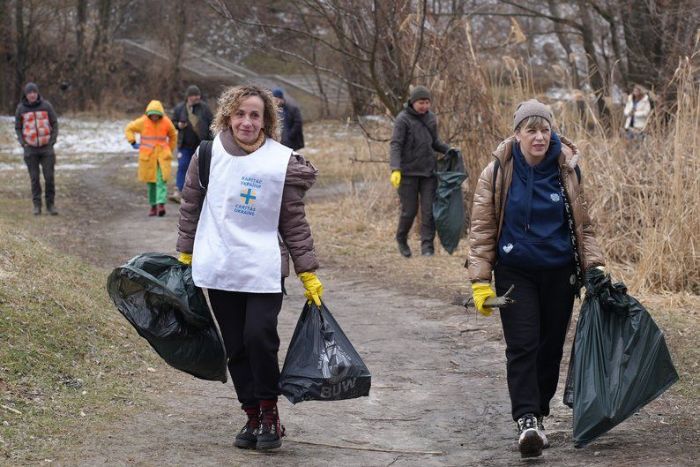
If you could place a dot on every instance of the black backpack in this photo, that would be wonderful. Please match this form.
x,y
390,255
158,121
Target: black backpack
x,y
204,164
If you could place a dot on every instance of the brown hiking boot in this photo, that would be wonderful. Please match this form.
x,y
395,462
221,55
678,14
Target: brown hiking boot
x,y
248,436
153,211
161,210
271,431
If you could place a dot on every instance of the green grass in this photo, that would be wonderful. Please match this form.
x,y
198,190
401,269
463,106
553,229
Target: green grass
x,y
67,358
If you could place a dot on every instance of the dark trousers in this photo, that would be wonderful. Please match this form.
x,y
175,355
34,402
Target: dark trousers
x,y
410,190
41,162
248,323
534,328
184,156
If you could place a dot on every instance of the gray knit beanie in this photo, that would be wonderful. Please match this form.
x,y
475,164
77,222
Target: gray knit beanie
x,y
418,93
31,87
193,90
531,108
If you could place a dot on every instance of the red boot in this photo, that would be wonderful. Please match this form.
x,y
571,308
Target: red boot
x,y
153,211
271,431
248,436
161,210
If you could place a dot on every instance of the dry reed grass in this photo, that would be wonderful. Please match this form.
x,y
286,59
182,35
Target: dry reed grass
x,y
644,197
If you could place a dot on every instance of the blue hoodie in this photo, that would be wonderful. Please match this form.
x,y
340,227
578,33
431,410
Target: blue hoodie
x,y
535,234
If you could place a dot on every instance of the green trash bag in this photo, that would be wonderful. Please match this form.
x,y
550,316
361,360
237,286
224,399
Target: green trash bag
x,y
448,206
156,294
621,361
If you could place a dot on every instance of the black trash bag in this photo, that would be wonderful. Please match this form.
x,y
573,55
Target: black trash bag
x,y
321,363
448,206
156,294
621,361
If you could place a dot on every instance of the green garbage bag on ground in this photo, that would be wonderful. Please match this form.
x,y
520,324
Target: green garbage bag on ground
x,y
156,294
621,361
448,206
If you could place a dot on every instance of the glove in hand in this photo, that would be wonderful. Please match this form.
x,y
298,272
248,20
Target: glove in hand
x,y
313,286
481,291
395,178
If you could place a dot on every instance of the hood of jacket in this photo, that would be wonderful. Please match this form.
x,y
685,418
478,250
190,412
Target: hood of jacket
x,y
155,107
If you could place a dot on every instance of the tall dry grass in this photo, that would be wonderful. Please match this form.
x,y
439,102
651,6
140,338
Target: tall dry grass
x,y
643,197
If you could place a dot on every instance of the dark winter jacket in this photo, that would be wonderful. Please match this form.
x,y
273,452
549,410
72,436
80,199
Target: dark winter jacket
x,y
294,230
292,126
36,126
414,142
535,233
187,137
488,210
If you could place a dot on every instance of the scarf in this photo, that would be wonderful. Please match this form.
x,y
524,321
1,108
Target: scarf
x,y
250,148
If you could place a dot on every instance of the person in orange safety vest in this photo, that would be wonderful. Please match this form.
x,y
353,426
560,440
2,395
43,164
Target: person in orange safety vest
x,y
158,140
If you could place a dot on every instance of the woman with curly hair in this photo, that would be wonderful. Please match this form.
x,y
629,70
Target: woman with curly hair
x,y
238,234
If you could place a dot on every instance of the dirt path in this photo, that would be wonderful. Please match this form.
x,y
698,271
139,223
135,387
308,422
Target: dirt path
x,y
438,376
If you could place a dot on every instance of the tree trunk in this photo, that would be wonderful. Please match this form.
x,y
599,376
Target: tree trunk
x,y
570,57
177,46
594,70
80,55
22,47
644,43
5,57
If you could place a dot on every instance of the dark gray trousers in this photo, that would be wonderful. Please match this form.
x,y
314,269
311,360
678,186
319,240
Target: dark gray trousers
x,y
41,162
412,191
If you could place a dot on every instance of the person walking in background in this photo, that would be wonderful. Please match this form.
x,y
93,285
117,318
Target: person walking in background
x,y
158,139
531,229
637,110
413,162
36,126
193,119
238,233
292,125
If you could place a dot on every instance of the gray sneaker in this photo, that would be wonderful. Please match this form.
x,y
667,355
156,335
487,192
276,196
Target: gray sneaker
x,y
530,442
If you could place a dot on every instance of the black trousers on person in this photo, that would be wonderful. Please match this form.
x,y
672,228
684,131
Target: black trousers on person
x,y
410,190
41,162
534,328
248,323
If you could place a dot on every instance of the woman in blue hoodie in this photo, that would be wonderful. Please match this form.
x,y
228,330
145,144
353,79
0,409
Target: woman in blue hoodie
x,y
531,229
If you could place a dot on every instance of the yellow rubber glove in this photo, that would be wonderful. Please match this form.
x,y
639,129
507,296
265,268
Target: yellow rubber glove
x,y
313,286
482,291
395,178
185,258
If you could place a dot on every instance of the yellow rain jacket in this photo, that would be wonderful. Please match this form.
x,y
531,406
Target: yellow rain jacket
x,y
158,142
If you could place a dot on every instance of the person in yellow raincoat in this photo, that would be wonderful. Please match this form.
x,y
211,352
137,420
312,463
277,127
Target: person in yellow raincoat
x,y
157,143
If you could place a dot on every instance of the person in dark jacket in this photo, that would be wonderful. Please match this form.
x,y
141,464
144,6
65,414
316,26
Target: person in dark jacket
x,y
292,125
531,230
193,119
238,239
36,126
413,145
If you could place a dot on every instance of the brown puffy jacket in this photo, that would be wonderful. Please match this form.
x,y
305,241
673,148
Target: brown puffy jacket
x,y
489,206
294,231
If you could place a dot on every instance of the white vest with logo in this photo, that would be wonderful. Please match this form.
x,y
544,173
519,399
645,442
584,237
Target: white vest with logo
x,y
236,247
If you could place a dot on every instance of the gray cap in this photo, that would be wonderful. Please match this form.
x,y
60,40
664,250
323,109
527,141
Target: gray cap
x,y
531,108
418,93
193,90
31,87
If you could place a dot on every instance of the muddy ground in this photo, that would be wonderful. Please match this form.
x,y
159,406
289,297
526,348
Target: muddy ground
x,y
438,395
